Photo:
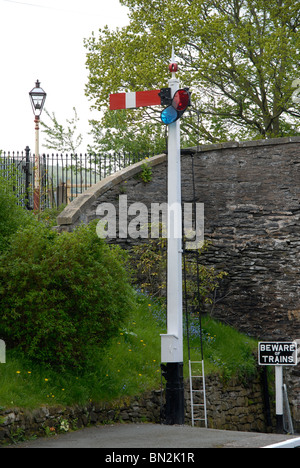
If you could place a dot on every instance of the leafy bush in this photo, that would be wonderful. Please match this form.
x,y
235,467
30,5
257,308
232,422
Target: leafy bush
x,y
146,174
12,216
149,263
61,294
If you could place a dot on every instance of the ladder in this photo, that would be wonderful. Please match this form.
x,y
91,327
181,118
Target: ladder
x,y
200,406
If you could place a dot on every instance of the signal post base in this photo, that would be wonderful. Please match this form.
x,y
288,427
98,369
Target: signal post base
x,y
174,408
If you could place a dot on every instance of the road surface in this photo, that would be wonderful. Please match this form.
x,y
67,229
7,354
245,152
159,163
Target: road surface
x,y
154,436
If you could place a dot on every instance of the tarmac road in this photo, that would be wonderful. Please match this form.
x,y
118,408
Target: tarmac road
x,y
155,436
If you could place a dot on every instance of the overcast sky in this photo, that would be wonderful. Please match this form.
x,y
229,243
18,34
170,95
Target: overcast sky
x,y
43,39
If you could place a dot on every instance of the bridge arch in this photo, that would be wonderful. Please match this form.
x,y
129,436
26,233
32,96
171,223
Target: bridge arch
x,y
251,196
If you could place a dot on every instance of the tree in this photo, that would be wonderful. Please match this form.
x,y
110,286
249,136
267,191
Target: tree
x,y
61,139
239,56
115,134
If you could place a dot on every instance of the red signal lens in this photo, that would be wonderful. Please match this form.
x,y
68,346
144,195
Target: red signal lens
x,y
181,100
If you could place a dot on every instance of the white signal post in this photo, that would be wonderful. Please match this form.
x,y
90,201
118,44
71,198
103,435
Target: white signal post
x,y
172,342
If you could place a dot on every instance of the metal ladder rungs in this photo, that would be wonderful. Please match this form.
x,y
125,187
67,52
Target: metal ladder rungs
x,y
199,405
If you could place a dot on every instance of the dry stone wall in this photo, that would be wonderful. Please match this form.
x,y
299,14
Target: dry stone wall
x,y
251,196
233,405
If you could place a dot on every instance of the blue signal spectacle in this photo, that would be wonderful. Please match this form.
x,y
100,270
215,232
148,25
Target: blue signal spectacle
x,y
180,102
169,115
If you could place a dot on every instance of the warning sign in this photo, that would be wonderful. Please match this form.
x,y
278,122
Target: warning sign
x,y
277,353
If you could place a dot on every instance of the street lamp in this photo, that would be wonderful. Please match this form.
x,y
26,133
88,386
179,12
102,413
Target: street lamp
x,y
37,97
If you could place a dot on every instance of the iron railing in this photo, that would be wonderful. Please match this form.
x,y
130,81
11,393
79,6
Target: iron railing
x,y
62,177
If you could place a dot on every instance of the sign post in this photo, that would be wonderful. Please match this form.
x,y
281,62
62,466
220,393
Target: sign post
x,y
278,354
2,352
279,398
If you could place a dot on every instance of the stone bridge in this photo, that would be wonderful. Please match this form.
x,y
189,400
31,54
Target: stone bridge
x,y
251,195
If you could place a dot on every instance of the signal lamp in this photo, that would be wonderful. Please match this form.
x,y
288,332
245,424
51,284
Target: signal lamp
x,y
165,96
169,115
181,101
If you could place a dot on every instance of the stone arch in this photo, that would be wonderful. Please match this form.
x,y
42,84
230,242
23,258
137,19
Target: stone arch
x,y
251,193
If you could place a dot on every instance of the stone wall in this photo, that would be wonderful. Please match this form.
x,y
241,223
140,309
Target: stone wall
x,y
232,406
235,405
251,194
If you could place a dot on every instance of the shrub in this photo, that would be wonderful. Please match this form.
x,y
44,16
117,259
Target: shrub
x,y
12,216
149,263
146,174
61,294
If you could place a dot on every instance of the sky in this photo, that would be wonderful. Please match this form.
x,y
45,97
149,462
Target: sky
x,y
43,39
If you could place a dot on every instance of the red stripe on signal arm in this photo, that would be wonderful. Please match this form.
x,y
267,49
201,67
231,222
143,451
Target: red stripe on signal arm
x,y
117,101
143,99
148,98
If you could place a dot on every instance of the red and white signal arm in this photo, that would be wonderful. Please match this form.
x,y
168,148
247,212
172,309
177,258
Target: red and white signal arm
x,y
134,100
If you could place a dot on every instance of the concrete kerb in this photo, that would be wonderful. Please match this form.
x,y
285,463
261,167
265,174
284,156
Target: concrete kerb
x,y
72,212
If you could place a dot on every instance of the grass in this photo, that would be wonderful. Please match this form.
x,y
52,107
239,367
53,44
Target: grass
x,y
226,351
128,366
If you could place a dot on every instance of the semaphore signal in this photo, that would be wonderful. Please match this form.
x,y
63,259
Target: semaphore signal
x,y
134,100
177,100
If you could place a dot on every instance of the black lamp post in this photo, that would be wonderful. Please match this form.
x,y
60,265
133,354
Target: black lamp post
x,y
37,99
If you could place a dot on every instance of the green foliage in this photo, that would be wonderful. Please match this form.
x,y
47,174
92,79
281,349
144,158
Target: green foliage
x,y
62,139
128,365
60,295
117,132
12,216
149,262
146,174
227,351
240,58
49,215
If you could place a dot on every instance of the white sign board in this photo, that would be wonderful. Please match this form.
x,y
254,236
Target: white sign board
x,y
2,352
277,353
